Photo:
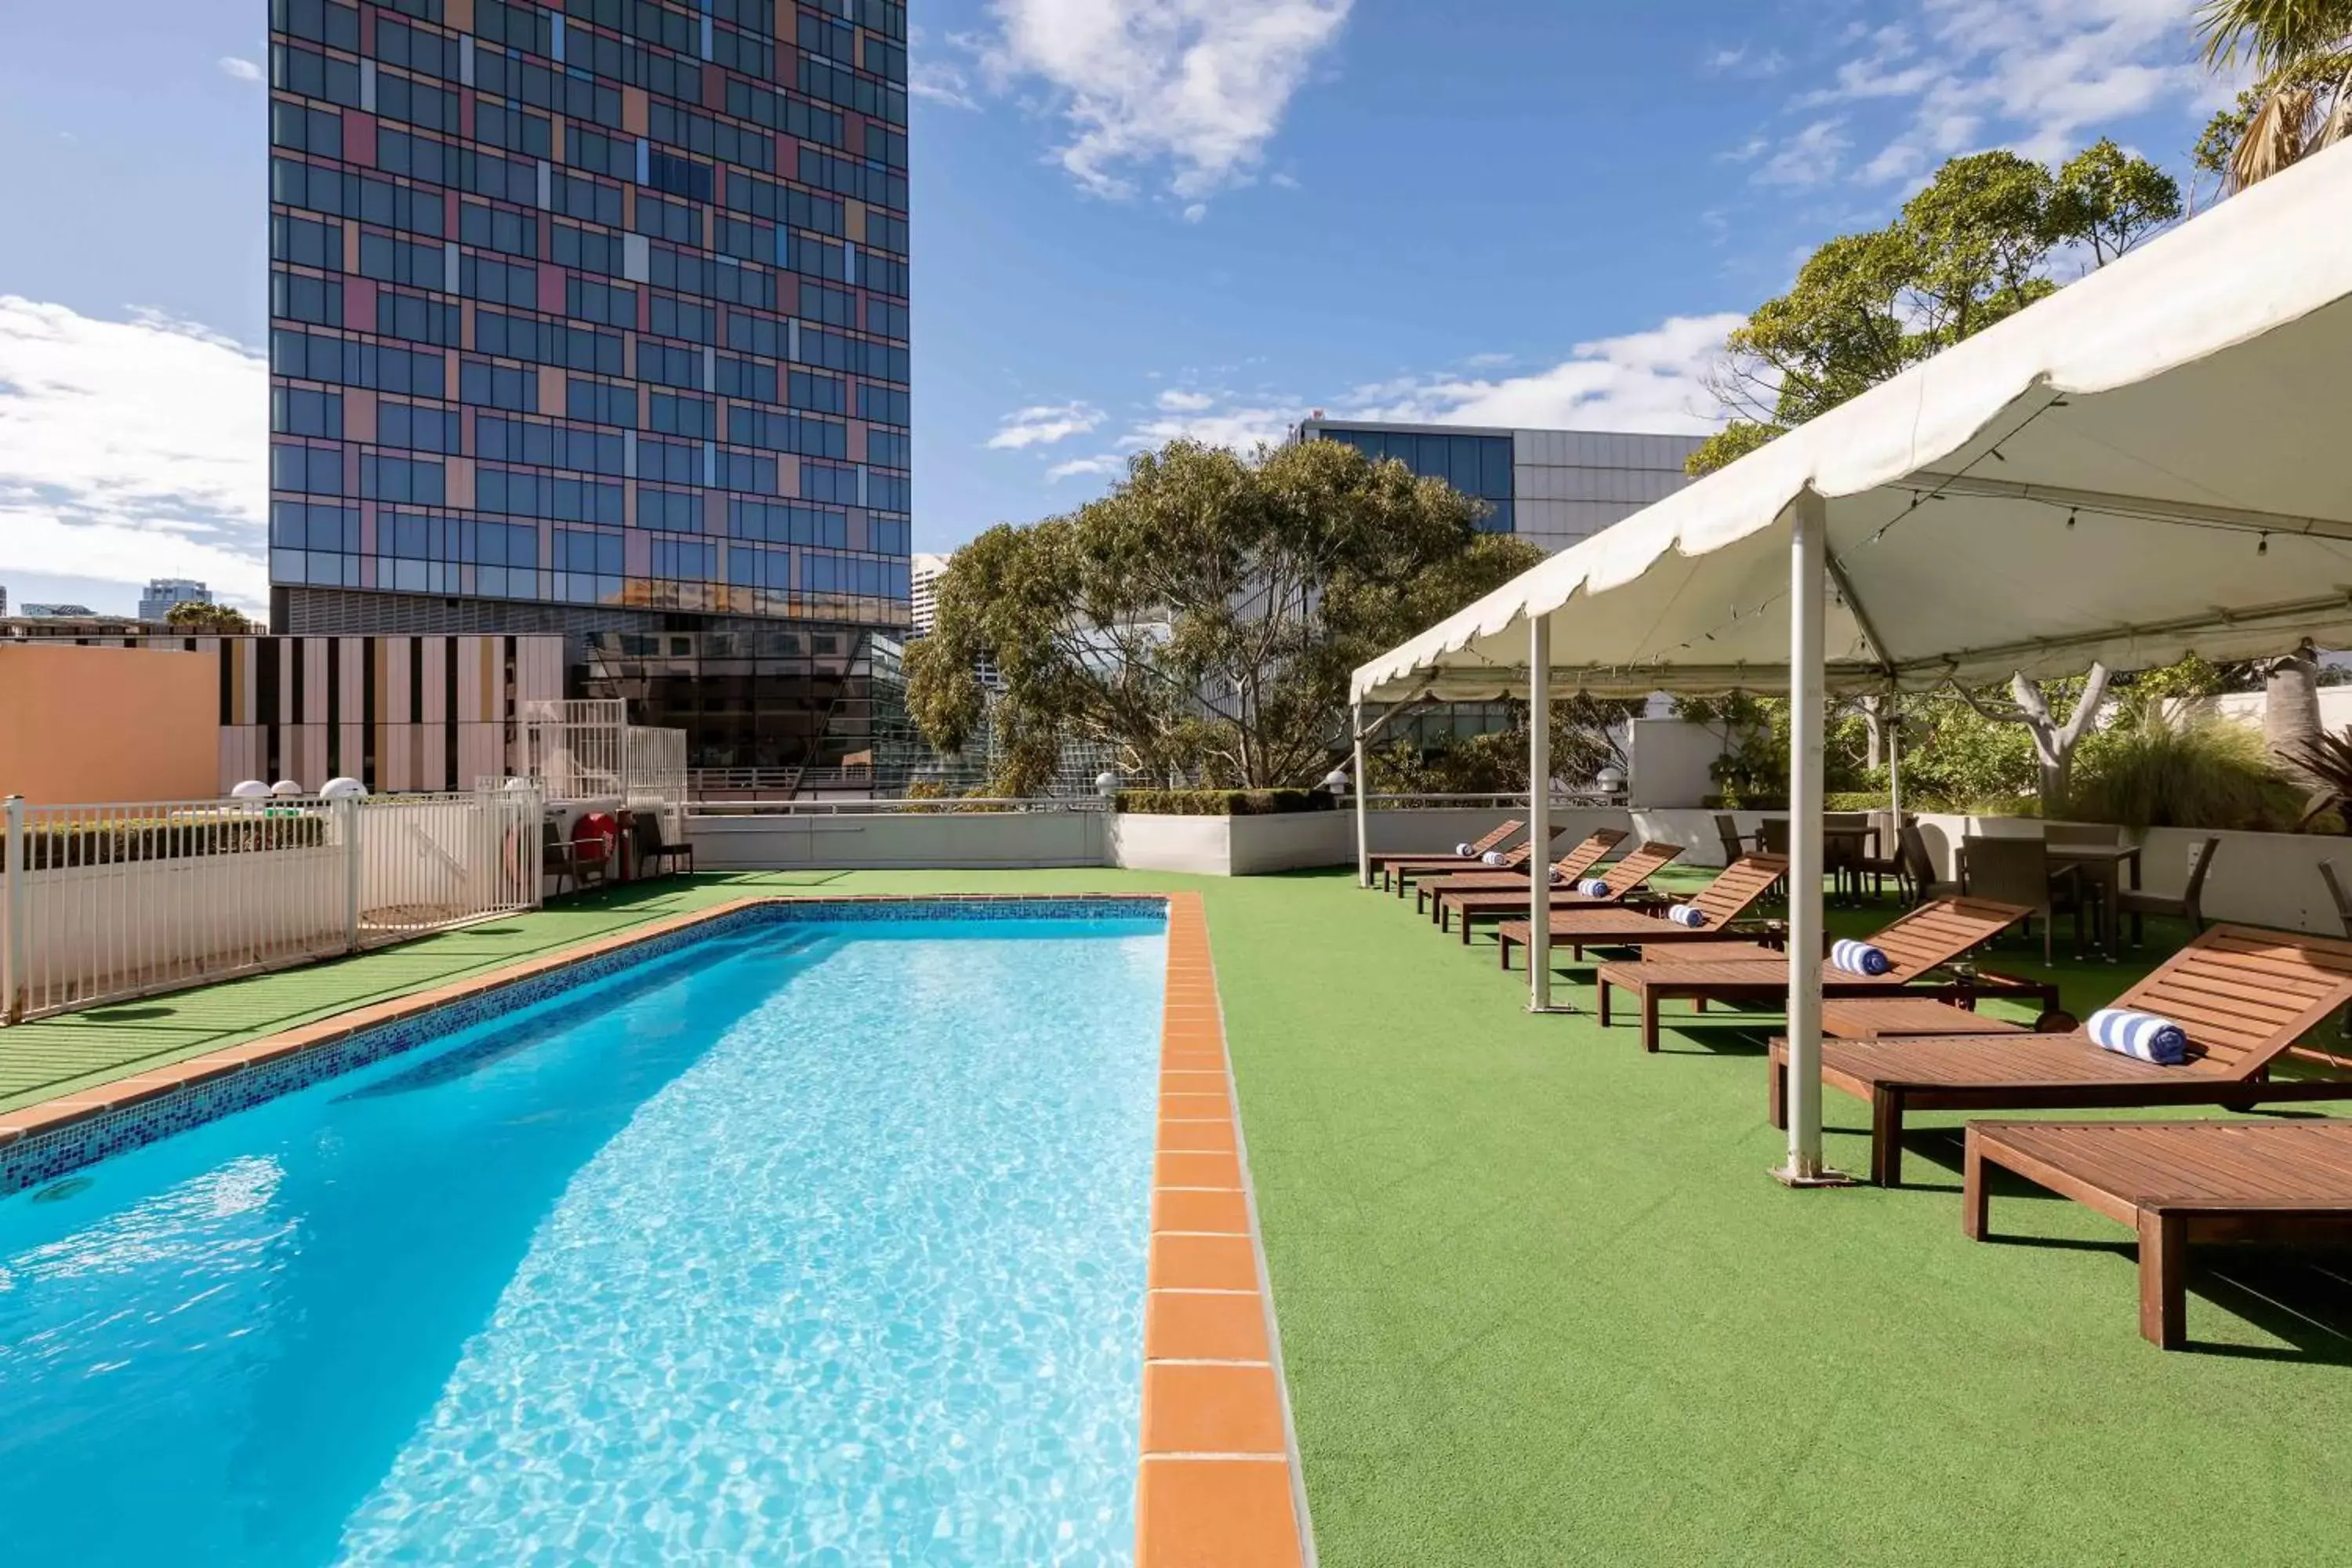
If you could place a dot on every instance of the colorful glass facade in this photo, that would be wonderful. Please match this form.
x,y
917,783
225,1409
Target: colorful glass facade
x,y
599,304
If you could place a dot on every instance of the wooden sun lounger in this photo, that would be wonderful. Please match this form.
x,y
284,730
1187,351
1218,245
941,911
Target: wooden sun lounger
x,y
1399,873
1625,878
2243,995
2177,1184
1567,869
1495,841
1919,944
1723,901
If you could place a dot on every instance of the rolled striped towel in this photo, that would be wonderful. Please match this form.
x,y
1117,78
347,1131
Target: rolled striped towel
x,y
1464,850
1859,958
1689,915
2143,1035
1492,857
1558,876
1593,888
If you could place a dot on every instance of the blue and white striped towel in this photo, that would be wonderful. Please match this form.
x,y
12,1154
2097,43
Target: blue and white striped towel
x,y
1593,888
1558,876
1689,915
2143,1035
1464,850
1492,857
1859,958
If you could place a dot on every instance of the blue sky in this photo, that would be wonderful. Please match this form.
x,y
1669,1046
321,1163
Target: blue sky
x,y
1133,219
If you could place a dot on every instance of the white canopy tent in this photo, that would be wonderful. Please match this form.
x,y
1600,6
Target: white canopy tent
x,y
2155,461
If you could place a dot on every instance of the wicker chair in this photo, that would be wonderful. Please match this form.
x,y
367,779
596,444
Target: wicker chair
x,y
2018,871
2189,906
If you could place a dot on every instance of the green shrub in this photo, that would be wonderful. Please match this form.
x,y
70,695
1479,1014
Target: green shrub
x,y
64,845
1221,802
2204,774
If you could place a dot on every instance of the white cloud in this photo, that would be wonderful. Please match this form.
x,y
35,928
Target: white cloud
x,y
1043,425
240,69
1648,381
1811,157
1107,464
1746,61
1195,86
2034,74
1177,402
131,449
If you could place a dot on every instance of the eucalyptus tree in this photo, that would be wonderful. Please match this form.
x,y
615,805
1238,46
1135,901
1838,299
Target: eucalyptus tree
x,y
1202,618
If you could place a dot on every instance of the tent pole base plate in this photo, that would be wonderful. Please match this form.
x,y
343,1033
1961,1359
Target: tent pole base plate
x,y
1789,1176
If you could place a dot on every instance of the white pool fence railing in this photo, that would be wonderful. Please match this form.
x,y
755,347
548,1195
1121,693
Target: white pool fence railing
x,y
103,902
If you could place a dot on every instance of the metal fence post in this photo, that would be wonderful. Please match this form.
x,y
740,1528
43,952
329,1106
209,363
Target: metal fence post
x,y
350,807
17,982
534,843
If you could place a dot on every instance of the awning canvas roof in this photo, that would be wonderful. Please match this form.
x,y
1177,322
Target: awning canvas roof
x,y
2156,460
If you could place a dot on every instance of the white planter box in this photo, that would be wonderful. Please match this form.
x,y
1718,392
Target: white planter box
x,y
943,841
1233,845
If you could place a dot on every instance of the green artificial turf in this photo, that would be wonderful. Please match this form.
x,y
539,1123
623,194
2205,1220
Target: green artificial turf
x,y
1540,1303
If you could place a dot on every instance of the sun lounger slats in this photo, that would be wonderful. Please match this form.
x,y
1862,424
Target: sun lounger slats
x,y
1495,841
1628,876
2177,1184
1743,882
1572,865
1581,928
2302,979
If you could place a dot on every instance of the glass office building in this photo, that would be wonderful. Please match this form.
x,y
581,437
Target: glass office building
x,y
591,317
1551,486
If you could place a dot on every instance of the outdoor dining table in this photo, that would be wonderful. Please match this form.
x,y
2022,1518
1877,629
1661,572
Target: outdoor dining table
x,y
2101,864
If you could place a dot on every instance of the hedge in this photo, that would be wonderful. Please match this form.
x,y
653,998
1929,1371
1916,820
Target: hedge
x,y
1222,802
66,845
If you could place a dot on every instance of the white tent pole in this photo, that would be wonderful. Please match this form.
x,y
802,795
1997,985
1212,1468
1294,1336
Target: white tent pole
x,y
1893,722
1363,847
1540,813
1808,526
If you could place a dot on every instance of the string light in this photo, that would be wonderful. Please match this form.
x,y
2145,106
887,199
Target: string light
x,y
2070,517
2262,545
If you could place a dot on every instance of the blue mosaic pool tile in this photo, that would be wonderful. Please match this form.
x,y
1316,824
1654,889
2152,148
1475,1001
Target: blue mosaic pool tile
x,y
44,1156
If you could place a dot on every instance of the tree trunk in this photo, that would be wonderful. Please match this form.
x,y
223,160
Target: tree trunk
x,y
2291,708
1873,724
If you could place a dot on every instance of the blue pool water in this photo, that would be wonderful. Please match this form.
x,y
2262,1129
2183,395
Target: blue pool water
x,y
810,1244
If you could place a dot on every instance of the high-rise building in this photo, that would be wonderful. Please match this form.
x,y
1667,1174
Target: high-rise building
x,y
3,602
928,568
163,593
1550,487
592,319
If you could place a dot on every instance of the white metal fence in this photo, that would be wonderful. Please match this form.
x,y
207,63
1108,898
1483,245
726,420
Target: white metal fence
x,y
105,902
588,750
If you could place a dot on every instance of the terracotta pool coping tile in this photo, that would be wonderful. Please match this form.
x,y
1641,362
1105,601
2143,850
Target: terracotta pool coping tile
x,y
1198,1171
1210,1407
1200,1211
1216,1513
1202,1263
1196,1137
1197,1325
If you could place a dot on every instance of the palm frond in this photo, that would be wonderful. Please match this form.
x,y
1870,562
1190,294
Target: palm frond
x,y
2275,139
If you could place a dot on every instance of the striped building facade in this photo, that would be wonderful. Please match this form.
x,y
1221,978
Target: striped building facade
x,y
395,713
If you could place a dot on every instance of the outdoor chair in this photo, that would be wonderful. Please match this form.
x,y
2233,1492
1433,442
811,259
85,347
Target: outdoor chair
x,y
2272,1184
2018,871
561,857
1772,835
1494,840
1403,869
1888,861
1726,833
2189,906
1844,850
651,851
1564,872
2243,995
1722,902
1922,946
1919,864
1627,878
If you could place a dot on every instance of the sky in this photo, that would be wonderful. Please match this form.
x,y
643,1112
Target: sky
x,y
1132,219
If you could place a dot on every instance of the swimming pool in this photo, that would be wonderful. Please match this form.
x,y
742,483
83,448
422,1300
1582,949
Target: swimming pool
x,y
805,1241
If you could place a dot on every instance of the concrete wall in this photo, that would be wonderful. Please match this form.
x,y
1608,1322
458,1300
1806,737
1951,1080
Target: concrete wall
x,y
1670,758
947,841
96,724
